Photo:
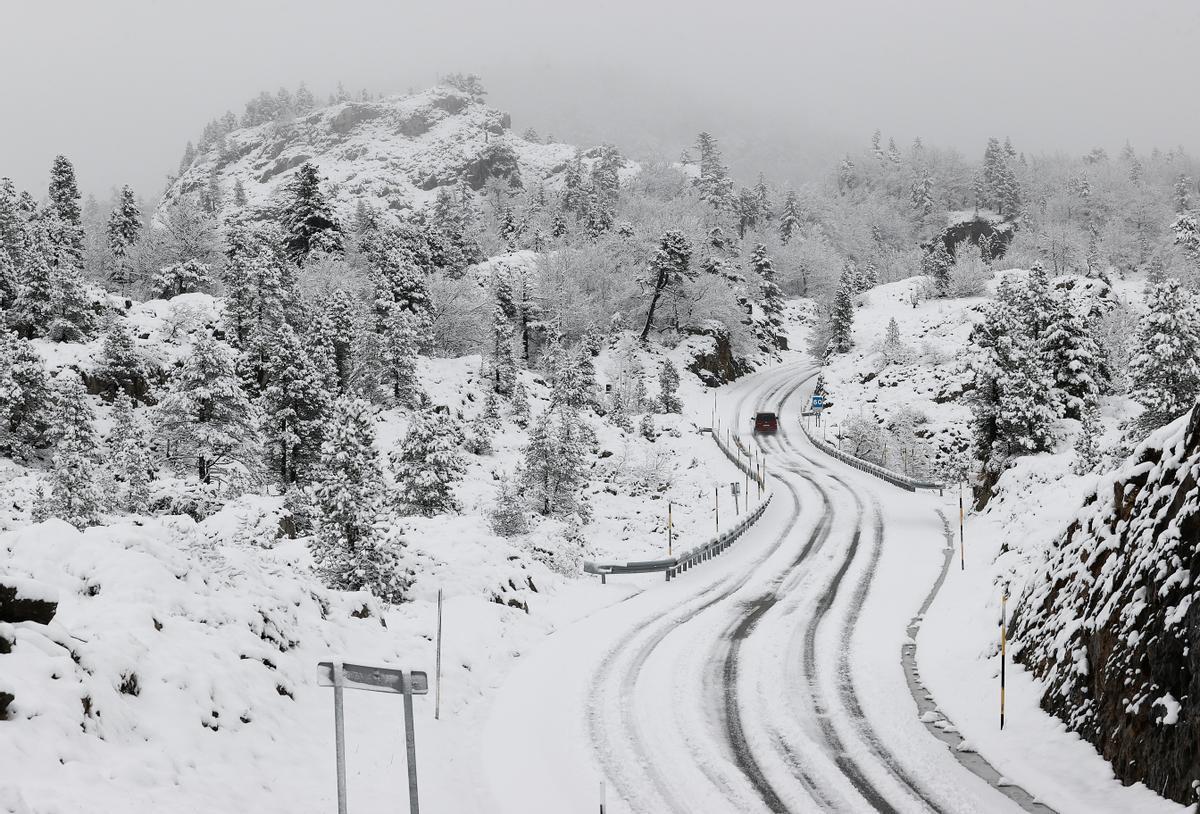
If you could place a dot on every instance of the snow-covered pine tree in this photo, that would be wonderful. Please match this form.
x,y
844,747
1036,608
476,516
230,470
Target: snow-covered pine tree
x,y
352,549
1036,301
1011,411
119,361
772,295
295,408
124,223
427,465
894,350
399,358
66,231
75,494
585,373
24,397
789,218
646,427
554,463
1087,451
669,268
510,513
129,460
714,183
307,218
504,367
936,265
33,310
478,438
520,404
206,419
668,387
1072,356
841,317
180,278
1165,369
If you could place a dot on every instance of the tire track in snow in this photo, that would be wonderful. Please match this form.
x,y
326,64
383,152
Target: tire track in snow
x,y
631,727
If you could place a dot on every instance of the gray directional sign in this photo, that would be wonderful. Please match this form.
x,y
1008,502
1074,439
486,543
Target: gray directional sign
x,y
342,676
375,679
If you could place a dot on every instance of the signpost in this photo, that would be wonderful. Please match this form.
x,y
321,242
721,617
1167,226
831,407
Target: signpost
x,y
734,488
341,676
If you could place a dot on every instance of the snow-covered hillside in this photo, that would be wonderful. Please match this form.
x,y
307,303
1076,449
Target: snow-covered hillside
x,y
389,154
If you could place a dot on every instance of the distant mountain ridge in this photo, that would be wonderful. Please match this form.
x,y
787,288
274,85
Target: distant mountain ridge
x,y
393,154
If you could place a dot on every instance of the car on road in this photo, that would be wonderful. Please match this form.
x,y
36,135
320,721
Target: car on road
x,y
766,423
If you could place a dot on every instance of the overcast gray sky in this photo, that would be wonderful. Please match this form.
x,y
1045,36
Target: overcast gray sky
x,y
119,86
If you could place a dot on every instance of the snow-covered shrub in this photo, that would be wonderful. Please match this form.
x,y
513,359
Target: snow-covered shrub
x,y
186,497
969,275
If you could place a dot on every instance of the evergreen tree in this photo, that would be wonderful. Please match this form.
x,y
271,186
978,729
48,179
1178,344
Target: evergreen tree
x,y
64,204
669,268
119,361
585,373
504,368
894,350
1166,367
714,183
24,397
1087,452
34,307
841,316
789,218
509,514
308,218
239,195
1011,411
1072,356
646,427
206,418
1183,186
334,332
668,388
478,438
554,463
352,549
180,278
772,295
295,408
936,265
427,465
124,224
129,464
399,374
520,404
74,491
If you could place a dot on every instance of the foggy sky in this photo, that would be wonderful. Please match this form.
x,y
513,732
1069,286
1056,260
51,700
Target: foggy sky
x,y
120,86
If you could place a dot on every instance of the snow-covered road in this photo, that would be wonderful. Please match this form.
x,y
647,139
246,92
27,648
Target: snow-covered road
x,y
769,679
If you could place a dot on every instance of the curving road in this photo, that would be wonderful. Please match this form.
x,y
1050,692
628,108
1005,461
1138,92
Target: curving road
x,y
769,679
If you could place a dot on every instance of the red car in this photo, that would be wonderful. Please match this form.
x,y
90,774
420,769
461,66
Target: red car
x,y
766,422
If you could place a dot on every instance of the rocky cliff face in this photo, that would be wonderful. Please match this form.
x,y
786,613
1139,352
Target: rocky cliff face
x,y
1111,622
392,153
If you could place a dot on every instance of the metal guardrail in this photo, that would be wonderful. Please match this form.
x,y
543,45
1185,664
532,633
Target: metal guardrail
x,y
673,566
894,478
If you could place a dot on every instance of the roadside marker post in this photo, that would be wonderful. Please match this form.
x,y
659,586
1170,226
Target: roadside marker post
x,y
1003,647
962,544
670,529
733,490
717,507
437,681
340,676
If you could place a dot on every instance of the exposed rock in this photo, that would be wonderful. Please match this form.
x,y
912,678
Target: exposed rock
x,y
1111,621
23,600
6,698
353,114
719,365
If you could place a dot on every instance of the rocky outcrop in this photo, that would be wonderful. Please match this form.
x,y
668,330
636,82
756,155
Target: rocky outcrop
x,y
717,364
1111,622
21,600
